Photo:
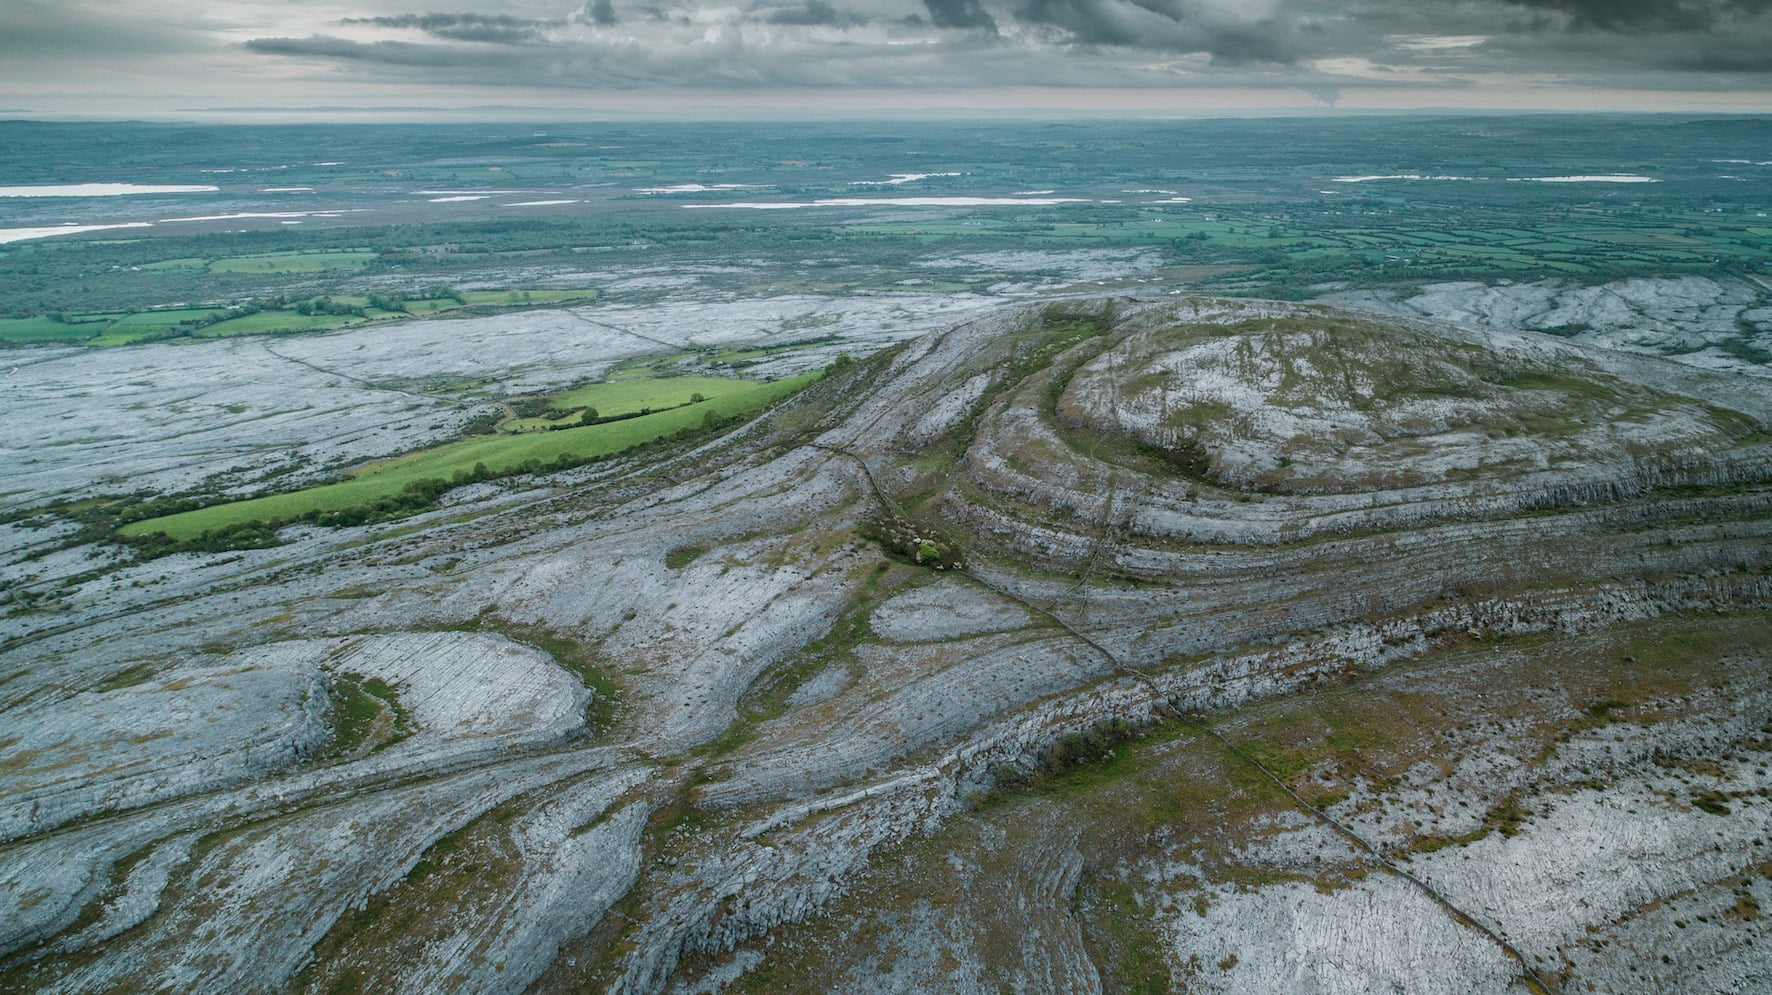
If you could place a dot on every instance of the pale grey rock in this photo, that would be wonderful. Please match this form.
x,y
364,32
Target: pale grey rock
x,y
1224,601
44,884
138,898
717,979
1587,861
947,609
821,687
1688,318
464,686
1373,937
193,729
271,888
571,875
949,409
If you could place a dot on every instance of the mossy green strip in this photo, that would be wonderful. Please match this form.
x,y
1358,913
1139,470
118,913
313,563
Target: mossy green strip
x,y
500,454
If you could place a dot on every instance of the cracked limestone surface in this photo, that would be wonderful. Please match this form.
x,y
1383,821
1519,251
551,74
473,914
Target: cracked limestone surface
x,y
669,722
1716,323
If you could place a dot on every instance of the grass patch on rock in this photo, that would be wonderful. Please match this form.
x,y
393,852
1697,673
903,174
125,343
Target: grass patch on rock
x,y
412,482
366,717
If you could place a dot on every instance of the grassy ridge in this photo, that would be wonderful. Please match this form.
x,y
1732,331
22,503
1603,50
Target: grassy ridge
x,y
500,454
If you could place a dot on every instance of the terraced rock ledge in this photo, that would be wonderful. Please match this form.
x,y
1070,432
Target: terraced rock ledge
x,y
1495,604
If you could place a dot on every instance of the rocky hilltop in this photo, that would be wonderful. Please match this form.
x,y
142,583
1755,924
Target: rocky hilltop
x,y
1098,646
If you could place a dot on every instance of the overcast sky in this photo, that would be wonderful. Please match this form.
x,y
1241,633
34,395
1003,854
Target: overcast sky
x,y
345,58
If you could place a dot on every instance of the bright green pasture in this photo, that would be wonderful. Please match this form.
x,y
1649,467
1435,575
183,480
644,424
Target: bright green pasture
x,y
121,338
163,319
625,397
431,305
501,454
42,329
266,322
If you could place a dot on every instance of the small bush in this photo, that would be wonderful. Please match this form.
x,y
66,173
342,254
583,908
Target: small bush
x,y
1714,802
918,543
1097,744
682,556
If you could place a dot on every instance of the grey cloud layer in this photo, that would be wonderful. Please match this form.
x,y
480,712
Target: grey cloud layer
x,y
1067,42
960,14
56,28
1170,25
1653,15
502,29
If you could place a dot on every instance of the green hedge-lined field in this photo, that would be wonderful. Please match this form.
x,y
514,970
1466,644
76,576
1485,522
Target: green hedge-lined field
x,y
626,397
500,454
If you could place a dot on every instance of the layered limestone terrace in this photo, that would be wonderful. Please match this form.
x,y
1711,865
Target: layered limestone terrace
x,y
1242,582
1271,422
1313,403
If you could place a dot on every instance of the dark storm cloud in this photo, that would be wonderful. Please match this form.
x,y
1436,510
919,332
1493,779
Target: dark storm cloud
x,y
1538,35
1680,36
587,64
599,12
1092,22
1660,59
815,13
959,14
1166,25
393,53
1625,42
496,28
1648,15
1315,44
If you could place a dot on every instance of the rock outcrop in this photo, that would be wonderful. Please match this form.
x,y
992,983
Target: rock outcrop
x,y
1474,594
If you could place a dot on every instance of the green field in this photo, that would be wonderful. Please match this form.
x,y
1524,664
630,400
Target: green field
x,y
46,329
144,326
501,454
269,322
624,397
124,337
167,318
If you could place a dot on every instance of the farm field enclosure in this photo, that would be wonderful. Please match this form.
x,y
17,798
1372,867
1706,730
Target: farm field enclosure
x,y
681,409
